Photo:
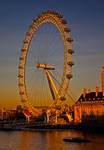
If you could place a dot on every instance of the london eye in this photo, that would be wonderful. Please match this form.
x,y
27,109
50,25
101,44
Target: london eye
x,y
45,63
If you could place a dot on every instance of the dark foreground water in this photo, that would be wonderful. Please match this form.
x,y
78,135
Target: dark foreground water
x,y
48,140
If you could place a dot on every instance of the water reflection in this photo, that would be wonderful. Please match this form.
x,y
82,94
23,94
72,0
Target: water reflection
x,y
25,141
48,140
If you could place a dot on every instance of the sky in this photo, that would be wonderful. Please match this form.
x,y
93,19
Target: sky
x,y
86,20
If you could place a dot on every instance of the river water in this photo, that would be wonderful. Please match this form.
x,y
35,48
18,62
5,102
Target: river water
x,y
48,140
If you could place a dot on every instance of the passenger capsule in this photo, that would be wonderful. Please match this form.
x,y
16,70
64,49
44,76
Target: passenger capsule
x,y
63,21
28,34
21,93
67,30
21,58
60,16
23,100
69,40
23,50
31,26
39,16
62,98
70,63
25,41
70,51
34,21
52,12
20,67
69,76
20,84
20,76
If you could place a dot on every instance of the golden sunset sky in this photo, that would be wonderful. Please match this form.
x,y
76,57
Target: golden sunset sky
x,y
86,20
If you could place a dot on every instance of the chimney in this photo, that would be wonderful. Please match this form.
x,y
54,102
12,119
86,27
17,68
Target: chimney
x,y
102,79
84,92
97,90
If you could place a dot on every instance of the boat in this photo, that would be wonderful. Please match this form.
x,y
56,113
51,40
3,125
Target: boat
x,y
76,140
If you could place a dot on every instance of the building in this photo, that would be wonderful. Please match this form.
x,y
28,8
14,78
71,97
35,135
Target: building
x,y
90,105
1,114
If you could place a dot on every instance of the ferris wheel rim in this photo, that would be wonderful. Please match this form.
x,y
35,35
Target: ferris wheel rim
x,y
57,20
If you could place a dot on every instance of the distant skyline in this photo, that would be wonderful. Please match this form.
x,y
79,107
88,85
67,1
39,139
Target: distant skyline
x,y
86,20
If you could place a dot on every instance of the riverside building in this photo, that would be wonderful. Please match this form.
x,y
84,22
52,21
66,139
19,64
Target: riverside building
x,y
90,105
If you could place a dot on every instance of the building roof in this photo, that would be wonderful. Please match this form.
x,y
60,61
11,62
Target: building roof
x,y
91,97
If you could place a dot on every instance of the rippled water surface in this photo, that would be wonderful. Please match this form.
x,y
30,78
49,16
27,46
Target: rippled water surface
x,y
48,140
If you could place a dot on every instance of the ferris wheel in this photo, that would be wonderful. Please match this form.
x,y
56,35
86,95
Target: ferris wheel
x,y
52,62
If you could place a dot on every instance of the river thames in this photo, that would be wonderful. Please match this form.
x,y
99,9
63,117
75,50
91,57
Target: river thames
x,y
48,140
